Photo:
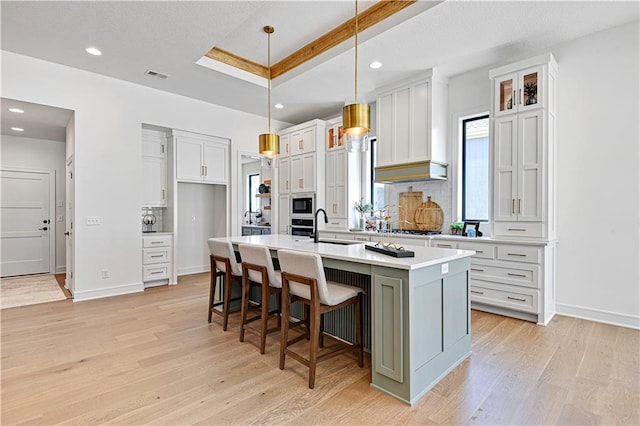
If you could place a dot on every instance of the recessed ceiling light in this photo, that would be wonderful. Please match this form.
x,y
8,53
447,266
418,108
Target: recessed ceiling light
x,y
375,65
17,129
93,51
16,110
279,106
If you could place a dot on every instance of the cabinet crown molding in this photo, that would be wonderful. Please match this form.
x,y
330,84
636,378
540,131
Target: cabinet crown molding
x,y
545,59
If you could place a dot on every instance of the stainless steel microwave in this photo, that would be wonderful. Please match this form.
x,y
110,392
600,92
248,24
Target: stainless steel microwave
x,y
302,204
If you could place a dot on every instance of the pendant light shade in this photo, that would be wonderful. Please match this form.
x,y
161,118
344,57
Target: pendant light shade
x,y
269,142
356,117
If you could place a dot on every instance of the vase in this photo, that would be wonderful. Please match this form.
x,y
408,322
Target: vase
x,y
531,99
361,224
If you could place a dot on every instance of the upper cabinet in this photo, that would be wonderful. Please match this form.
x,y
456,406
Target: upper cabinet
x,y
412,121
201,158
523,145
518,91
303,141
154,168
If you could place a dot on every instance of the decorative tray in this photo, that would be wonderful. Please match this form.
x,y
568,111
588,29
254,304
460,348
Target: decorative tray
x,y
390,250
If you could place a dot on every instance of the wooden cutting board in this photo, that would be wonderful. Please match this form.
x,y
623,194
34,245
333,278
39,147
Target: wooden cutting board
x,y
409,203
428,216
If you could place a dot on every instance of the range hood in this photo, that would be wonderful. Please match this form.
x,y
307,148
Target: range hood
x,y
411,172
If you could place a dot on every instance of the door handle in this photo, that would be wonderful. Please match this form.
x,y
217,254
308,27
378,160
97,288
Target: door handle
x,y
67,233
43,229
46,221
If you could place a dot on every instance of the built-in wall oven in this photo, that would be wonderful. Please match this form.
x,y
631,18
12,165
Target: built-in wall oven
x,y
302,226
302,205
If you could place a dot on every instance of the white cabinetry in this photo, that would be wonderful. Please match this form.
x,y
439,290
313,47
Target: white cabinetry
x,y
412,121
523,136
342,183
510,278
201,158
301,166
157,254
154,169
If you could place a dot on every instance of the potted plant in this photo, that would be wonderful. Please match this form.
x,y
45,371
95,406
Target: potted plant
x,y
456,228
363,208
531,91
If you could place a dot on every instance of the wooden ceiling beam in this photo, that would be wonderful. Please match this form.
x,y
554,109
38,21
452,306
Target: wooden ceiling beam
x,y
229,58
366,19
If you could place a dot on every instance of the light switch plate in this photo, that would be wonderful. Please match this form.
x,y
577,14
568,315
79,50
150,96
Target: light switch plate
x,y
94,220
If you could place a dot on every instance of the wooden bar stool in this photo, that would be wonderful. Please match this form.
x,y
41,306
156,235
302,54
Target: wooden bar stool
x,y
225,266
257,271
303,280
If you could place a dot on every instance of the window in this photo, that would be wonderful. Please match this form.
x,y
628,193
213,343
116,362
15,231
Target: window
x,y
377,189
254,183
475,169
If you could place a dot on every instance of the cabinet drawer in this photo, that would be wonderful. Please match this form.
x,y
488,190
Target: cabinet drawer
x,y
444,244
483,251
521,274
518,229
156,241
156,255
335,223
513,298
358,237
156,272
520,253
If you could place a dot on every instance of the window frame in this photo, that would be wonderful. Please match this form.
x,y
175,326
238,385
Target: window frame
x,y
463,157
252,199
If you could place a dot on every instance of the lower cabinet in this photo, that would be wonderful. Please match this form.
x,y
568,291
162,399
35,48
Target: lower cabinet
x,y
510,278
252,230
157,255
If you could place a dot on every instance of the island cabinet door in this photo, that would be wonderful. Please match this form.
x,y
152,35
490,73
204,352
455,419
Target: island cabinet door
x,y
388,327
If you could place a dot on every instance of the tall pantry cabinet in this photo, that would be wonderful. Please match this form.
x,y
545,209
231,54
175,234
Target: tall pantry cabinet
x,y
524,137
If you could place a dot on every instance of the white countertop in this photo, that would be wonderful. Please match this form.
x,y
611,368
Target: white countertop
x,y
443,236
151,234
424,256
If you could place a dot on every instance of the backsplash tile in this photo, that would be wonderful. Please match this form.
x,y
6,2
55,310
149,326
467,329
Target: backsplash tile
x,y
439,191
159,213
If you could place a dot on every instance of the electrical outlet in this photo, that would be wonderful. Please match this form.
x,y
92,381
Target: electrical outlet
x,y
105,273
94,220
445,268
60,218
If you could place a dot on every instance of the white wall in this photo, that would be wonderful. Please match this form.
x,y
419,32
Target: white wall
x,y
41,154
108,117
598,185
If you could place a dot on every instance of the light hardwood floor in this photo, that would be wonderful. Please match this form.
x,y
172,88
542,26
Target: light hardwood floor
x,y
152,358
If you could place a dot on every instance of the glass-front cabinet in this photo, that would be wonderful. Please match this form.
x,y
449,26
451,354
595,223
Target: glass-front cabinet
x,y
517,92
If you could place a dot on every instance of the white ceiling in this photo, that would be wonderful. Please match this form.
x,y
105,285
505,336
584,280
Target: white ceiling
x,y
38,121
169,37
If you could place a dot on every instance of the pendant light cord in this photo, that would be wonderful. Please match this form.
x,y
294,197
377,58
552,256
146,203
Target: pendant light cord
x,y
269,73
356,67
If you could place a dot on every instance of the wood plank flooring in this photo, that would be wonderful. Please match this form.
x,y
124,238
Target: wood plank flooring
x,y
152,358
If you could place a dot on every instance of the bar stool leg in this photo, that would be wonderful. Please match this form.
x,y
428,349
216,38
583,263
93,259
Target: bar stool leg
x,y
212,290
284,332
264,313
313,344
228,282
321,331
358,313
245,304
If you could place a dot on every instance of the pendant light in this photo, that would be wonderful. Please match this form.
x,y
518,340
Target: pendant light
x,y
355,116
269,142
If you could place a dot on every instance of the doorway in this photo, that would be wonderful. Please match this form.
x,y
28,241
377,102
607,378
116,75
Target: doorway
x,y
26,226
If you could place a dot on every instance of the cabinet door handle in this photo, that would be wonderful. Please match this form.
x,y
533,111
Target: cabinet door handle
x,y
206,171
513,205
519,96
157,272
301,183
515,100
287,150
477,270
335,208
286,184
479,251
519,205
163,195
477,292
443,245
516,229
158,255
301,144
517,254
156,242
516,298
516,275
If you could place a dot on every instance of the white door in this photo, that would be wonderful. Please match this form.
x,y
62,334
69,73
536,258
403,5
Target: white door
x,y
25,223
69,283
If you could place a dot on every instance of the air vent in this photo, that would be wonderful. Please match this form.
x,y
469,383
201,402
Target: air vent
x,y
156,74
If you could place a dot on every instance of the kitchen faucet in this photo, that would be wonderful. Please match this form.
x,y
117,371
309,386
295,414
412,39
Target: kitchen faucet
x,y
315,223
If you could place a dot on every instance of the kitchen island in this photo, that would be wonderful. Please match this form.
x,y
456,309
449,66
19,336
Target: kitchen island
x,y
420,315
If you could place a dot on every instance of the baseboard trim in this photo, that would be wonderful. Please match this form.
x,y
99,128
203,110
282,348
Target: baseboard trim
x,y
61,270
80,295
193,270
597,315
